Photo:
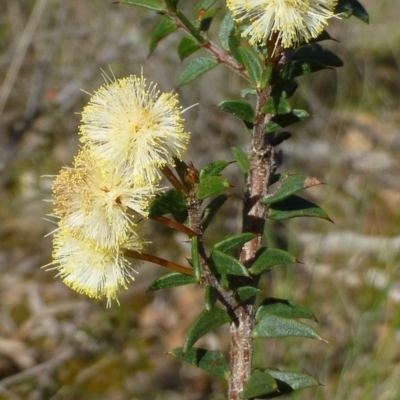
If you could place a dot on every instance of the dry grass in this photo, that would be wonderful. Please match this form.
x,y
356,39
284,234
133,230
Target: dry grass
x,y
55,344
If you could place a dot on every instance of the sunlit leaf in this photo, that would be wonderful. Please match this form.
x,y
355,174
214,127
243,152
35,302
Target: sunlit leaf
x,y
211,186
259,384
232,243
213,169
284,120
241,159
267,257
290,381
246,292
252,65
295,206
165,27
172,280
211,209
283,308
205,322
211,361
155,5
291,184
228,265
225,30
196,68
277,105
187,46
239,108
273,326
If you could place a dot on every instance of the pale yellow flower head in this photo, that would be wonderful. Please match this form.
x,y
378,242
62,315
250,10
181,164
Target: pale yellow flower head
x,y
134,126
98,204
293,21
96,272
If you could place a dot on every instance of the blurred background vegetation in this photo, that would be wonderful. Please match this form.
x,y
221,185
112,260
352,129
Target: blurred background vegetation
x,y
56,344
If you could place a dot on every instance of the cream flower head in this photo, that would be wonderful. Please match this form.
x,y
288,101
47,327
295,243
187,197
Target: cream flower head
x,y
134,126
98,204
294,21
96,272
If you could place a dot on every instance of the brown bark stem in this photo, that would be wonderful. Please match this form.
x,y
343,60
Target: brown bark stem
x,y
261,159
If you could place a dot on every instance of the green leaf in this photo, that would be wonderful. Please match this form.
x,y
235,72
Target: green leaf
x,y
206,19
259,384
165,27
239,108
211,361
266,76
195,257
171,4
170,202
279,137
277,105
211,210
290,381
225,30
210,297
210,186
294,206
228,265
241,159
347,8
196,68
155,5
301,67
284,120
233,243
267,257
291,184
246,292
273,326
315,51
285,89
283,308
205,322
213,169
201,6
252,65
187,46
172,280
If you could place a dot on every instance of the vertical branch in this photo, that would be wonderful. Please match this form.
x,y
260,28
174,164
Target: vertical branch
x,y
261,160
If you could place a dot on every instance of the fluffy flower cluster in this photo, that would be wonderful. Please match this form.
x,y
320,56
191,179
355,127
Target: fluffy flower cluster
x,y
129,131
293,21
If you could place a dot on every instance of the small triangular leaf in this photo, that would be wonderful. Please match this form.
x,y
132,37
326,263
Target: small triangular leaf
x,y
291,184
210,186
272,326
239,108
213,169
170,202
155,5
290,381
187,46
211,210
228,265
196,68
246,292
284,120
283,308
225,30
205,322
267,257
242,159
259,384
252,65
172,280
233,243
277,105
211,361
295,206
165,27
